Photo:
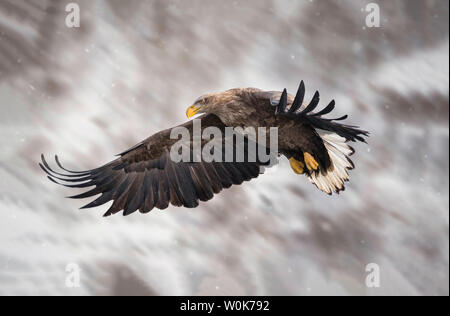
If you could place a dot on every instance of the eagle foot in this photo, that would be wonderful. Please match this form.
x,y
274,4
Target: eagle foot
x,y
310,162
297,166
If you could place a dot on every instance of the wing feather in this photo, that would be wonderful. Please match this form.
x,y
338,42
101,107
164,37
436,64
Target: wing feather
x,y
144,177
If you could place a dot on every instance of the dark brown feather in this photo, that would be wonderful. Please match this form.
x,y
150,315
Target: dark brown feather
x,y
145,177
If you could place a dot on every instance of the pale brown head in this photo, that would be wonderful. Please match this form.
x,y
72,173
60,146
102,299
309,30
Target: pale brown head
x,y
216,103
201,105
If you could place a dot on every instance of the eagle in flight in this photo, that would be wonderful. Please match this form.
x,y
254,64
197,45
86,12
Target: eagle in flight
x,y
145,176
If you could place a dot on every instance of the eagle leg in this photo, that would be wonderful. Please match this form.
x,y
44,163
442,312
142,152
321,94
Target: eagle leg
x,y
310,162
297,166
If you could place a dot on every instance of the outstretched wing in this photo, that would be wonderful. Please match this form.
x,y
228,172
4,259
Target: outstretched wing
x,y
295,107
325,138
145,176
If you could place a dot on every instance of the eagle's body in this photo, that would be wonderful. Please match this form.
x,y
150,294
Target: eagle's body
x,y
145,176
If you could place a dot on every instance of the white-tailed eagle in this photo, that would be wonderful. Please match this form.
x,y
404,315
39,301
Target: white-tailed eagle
x,y
145,176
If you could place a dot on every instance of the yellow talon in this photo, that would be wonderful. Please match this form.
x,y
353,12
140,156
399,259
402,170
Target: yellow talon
x,y
310,162
297,166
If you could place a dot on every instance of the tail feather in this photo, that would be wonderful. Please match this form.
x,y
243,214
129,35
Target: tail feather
x,y
333,179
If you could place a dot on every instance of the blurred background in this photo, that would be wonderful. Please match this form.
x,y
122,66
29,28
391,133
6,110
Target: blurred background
x,y
133,67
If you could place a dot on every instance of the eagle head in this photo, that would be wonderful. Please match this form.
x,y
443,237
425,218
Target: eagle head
x,y
220,104
203,104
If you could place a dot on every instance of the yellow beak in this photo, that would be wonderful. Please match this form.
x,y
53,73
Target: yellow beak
x,y
192,110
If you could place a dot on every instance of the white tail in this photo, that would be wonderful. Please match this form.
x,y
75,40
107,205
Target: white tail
x,y
339,152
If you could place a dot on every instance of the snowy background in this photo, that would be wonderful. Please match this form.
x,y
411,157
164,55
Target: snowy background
x,y
135,66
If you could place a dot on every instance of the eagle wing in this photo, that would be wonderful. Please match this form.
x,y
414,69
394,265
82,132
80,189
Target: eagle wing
x,y
145,176
326,139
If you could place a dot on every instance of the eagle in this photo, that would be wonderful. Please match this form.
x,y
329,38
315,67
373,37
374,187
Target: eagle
x,y
145,176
